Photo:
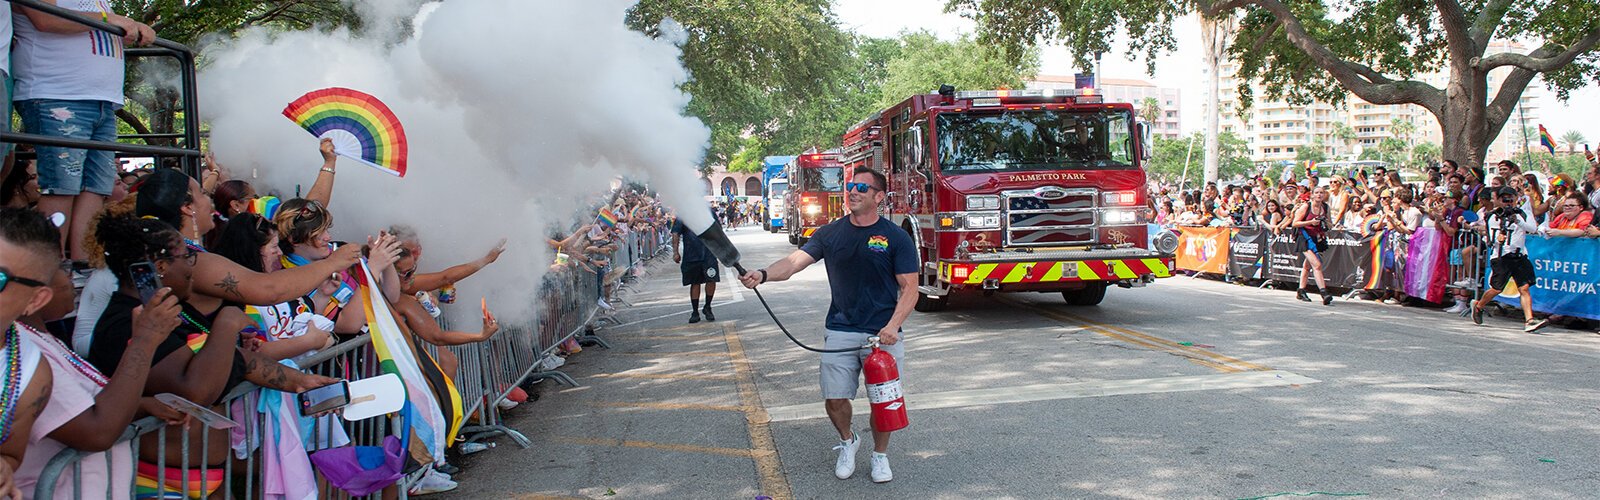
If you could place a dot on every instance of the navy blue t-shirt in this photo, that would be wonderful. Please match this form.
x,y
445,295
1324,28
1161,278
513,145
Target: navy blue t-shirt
x,y
694,250
862,263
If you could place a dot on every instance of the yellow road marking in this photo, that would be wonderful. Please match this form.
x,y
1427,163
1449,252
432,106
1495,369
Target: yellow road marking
x,y
1197,355
1196,350
769,469
663,376
651,445
667,406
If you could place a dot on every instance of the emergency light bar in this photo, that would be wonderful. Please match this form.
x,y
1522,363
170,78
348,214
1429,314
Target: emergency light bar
x,y
997,97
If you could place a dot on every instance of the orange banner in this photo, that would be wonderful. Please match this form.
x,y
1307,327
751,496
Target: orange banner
x,y
1203,249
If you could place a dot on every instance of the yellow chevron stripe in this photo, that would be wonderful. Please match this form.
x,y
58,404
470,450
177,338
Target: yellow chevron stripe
x,y
1053,274
1157,267
1085,272
1017,272
1120,268
981,272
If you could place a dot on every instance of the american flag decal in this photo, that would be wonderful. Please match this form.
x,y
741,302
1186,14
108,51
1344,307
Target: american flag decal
x,y
105,44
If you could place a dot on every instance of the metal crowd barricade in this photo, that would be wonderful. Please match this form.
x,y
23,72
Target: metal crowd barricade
x,y
352,359
1466,262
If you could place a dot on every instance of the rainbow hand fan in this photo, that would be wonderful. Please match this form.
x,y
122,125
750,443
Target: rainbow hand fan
x,y
362,127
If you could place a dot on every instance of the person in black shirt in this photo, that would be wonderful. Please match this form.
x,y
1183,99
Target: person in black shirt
x,y
872,277
699,268
199,360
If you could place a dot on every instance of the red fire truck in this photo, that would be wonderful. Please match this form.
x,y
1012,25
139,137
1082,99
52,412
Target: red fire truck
x,y
816,194
1017,191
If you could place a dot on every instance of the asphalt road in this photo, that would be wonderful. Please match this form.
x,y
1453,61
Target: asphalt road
x,y
1184,389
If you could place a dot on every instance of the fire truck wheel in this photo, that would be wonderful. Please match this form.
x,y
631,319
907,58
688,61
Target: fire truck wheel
x,y
1088,296
926,303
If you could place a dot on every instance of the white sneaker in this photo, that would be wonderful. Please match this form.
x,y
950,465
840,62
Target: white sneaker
x,y
1462,284
846,465
1391,302
603,305
1456,309
506,404
880,468
432,482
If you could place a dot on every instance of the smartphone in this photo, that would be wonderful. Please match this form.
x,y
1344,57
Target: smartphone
x,y
329,397
145,279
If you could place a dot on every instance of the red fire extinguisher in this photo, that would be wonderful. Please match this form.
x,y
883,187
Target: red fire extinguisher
x,y
883,390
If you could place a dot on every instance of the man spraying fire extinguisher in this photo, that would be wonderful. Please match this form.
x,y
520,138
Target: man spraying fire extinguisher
x,y
872,266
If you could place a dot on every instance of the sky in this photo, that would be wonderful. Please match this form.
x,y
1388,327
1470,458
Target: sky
x,y
1181,69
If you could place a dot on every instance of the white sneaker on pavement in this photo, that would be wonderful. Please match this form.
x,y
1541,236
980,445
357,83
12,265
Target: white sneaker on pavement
x,y
604,305
1456,309
432,482
506,404
880,468
846,465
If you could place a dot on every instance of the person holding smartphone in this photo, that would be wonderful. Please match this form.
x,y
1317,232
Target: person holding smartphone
x,y
199,359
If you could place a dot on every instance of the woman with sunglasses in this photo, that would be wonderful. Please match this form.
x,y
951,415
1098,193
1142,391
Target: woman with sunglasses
x,y
304,237
285,330
198,359
29,253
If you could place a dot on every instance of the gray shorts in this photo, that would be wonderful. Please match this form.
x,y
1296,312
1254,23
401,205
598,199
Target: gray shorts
x,y
841,371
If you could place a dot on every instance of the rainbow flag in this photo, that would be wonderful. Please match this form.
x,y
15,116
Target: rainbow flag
x,y
607,217
1546,140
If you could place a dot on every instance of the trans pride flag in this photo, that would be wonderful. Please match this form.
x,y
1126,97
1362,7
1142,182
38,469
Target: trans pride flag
x,y
422,410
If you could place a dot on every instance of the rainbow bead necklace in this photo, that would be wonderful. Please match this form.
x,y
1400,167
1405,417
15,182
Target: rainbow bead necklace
x,y
13,390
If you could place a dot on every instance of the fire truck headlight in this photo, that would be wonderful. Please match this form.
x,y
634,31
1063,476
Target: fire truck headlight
x,y
813,209
1120,216
983,202
983,221
1116,198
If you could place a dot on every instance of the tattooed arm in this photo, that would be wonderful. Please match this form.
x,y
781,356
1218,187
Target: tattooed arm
x,y
219,277
34,398
267,372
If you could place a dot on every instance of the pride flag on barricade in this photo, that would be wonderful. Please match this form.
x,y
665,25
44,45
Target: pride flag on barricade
x,y
1427,267
430,429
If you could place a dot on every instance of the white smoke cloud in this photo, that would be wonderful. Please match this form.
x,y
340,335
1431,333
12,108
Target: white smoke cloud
x,y
517,116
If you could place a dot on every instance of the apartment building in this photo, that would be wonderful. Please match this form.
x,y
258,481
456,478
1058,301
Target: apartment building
x,y
1276,130
1170,100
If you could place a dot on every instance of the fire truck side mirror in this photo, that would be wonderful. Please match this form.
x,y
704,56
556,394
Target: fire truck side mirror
x,y
1144,140
914,142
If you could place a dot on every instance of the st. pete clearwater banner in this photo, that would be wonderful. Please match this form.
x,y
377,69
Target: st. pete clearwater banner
x,y
1568,270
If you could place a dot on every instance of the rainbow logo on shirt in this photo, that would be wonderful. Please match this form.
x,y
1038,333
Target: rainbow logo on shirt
x,y
878,243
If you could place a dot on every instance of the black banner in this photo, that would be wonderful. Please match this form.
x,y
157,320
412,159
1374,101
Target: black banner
x,y
1348,261
1283,261
1246,253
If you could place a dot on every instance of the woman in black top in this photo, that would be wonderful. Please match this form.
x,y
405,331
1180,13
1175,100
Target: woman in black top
x,y
200,360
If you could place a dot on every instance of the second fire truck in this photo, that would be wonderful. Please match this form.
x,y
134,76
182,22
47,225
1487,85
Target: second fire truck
x,y
1016,191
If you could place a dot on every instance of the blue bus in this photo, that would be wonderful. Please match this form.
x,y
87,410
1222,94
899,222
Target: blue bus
x,y
774,183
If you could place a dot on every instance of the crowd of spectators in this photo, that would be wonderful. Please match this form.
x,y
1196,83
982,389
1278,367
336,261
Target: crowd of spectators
x,y
1450,198
119,284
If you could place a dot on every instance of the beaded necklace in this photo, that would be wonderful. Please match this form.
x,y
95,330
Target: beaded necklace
x,y
194,246
77,362
13,388
195,341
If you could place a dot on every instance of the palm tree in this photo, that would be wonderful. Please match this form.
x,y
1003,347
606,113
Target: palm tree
x,y
1150,110
1344,134
1572,139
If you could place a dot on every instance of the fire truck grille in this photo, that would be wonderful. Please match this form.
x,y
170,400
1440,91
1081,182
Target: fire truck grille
x,y
1032,220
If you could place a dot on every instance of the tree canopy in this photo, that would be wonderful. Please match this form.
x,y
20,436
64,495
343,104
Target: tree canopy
x,y
1378,50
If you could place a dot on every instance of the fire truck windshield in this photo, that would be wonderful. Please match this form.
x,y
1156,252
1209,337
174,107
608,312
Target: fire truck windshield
x,y
1035,140
829,179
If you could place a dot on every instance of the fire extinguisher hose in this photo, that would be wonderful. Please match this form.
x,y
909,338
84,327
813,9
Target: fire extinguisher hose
x,y
791,336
